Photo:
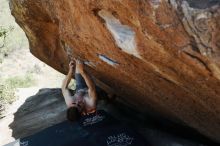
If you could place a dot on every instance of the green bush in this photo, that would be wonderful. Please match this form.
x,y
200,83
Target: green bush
x,y
19,81
8,87
4,33
4,49
6,94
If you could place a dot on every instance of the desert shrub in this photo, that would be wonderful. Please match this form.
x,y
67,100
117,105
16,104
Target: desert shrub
x,y
8,87
20,81
4,50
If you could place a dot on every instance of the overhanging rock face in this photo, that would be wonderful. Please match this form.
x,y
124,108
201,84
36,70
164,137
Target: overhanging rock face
x,y
159,55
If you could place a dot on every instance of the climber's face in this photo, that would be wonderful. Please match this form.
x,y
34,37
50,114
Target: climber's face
x,y
79,102
80,106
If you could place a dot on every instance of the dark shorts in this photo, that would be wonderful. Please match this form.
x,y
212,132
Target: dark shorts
x,y
80,82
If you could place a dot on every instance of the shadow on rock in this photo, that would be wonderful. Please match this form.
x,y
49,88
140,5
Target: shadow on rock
x,y
48,108
39,111
157,130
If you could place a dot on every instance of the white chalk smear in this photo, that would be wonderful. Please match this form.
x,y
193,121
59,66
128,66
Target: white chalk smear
x,y
107,60
123,34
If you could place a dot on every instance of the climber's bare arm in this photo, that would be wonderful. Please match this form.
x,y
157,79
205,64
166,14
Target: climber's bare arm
x,y
88,80
91,86
65,90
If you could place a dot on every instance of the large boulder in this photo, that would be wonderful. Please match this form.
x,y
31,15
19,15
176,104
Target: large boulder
x,y
160,56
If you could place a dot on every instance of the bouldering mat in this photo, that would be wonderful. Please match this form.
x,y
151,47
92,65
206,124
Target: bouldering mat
x,y
98,129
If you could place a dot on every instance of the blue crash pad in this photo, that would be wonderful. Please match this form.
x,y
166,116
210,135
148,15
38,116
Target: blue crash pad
x,y
98,129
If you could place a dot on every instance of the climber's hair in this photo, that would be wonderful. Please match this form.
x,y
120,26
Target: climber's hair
x,y
72,114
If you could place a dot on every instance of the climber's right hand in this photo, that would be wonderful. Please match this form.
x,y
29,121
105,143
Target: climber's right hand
x,y
71,65
80,65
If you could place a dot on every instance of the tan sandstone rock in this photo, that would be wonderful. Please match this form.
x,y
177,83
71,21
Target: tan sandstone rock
x,y
158,55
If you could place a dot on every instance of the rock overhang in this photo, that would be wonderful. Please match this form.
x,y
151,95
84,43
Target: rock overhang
x,y
158,55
